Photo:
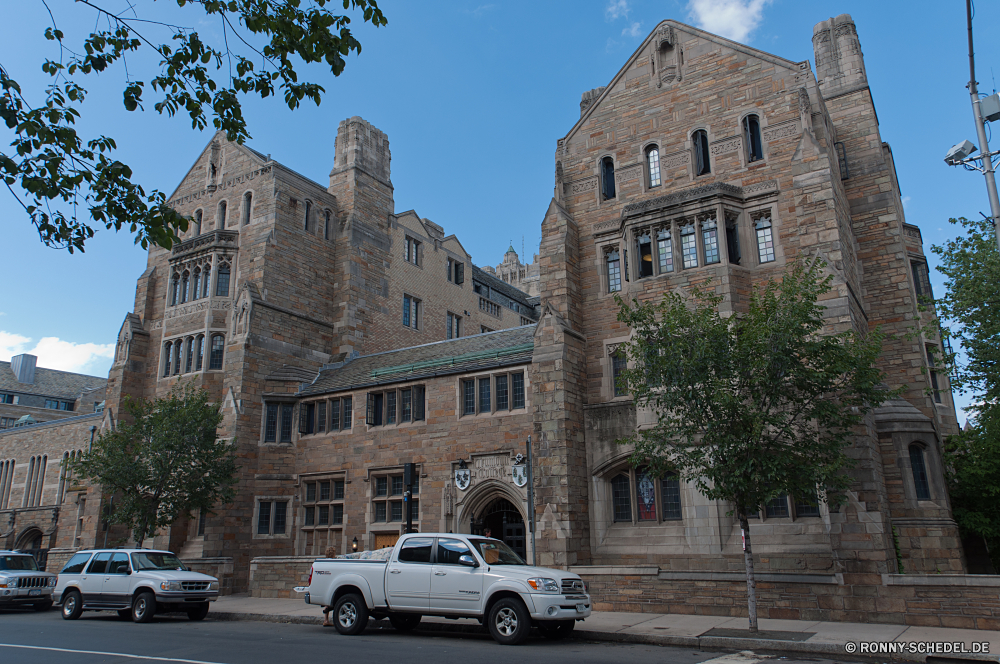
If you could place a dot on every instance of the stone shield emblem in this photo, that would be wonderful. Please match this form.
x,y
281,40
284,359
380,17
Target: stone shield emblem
x,y
519,474
463,477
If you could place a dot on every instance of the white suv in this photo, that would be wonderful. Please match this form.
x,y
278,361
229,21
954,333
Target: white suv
x,y
137,582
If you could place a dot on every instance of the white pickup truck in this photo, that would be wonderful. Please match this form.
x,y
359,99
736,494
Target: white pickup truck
x,y
450,575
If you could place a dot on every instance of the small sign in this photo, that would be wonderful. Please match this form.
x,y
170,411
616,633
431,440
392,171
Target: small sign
x,y
463,477
519,474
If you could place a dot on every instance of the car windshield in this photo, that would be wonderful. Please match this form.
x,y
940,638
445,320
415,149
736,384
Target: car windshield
x,y
18,563
495,552
156,560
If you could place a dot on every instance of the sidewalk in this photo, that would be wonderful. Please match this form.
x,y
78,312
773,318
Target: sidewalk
x,y
788,637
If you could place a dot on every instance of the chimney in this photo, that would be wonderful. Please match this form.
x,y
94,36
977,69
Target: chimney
x,y
23,366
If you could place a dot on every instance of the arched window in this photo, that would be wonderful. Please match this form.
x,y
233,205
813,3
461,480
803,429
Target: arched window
x,y
207,279
185,287
215,359
326,225
608,178
167,349
196,284
199,352
197,223
175,287
751,133
188,354
29,483
222,282
220,216
621,500
701,158
613,265
308,211
177,356
40,467
653,162
919,468
63,477
247,207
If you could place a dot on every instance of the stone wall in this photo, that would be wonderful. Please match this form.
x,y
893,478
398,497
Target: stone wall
x,y
220,568
277,576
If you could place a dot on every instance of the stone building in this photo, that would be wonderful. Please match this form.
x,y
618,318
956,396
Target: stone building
x,y
512,271
345,340
30,394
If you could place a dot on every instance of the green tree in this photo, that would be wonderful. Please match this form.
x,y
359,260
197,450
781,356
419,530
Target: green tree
x,y
53,172
164,462
754,406
971,304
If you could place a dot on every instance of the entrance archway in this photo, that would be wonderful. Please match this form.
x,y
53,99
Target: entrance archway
x,y
504,522
30,541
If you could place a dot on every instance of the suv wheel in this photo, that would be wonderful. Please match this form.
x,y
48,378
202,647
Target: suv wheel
x,y
143,607
350,614
199,612
509,622
72,605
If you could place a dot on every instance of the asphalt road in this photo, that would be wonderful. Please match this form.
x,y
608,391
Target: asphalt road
x,y
101,637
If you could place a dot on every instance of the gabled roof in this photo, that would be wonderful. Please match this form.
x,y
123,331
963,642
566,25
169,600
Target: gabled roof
x,y
508,347
50,383
500,286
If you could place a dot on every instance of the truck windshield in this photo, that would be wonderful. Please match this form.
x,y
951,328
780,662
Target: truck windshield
x,y
495,552
18,563
157,561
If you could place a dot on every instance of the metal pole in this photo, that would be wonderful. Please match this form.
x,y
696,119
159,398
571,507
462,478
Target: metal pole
x,y
984,146
531,502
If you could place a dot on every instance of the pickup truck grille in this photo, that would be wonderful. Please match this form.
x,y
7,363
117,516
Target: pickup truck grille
x,y
194,585
572,586
32,582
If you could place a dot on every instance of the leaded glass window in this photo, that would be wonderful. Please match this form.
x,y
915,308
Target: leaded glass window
x,y
620,500
503,401
765,241
665,250
777,508
614,268
653,159
517,388
710,238
645,245
645,496
670,491
919,468
689,247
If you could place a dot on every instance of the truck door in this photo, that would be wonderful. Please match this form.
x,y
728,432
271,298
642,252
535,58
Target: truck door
x,y
454,586
92,581
408,575
116,581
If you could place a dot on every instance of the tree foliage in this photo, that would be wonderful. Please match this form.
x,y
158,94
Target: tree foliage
x,y
164,463
971,265
69,184
752,406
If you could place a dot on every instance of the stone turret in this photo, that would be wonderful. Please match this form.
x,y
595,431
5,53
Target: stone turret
x,y
840,65
360,145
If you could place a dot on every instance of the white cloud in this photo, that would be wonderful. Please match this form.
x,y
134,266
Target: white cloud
x,y
54,353
632,31
733,19
906,202
617,9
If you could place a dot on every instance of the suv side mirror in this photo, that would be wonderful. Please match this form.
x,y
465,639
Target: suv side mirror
x,y
467,560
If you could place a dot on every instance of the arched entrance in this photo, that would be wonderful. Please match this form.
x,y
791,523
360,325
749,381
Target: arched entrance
x,y
504,522
30,541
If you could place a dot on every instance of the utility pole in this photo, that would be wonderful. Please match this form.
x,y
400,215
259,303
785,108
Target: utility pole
x,y
984,146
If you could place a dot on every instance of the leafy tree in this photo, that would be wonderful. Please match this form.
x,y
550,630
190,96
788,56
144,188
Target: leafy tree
x,y
166,461
971,304
754,406
52,171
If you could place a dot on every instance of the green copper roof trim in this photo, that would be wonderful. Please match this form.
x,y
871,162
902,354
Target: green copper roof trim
x,y
449,361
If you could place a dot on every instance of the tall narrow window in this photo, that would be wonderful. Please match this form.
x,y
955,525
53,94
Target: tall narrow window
x,y
485,402
689,247
222,282
326,224
407,305
921,281
185,287
247,207
308,212
175,288
503,395
653,160
670,492
197,222
665,250
701,157
517,390
177,357
167,349
199,352
321,416
732,241
710,238
189,355
645,246
935,388
390,407
608,178
215,359
419,393
207,279
406,405
348,412
620,499
618,364
196,284
271,423
286,423
468,397
765,241
613,265
919,468
645,494
751,133
220,217
335,415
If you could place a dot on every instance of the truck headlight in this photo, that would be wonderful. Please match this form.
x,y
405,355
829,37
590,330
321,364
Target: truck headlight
x,y
52,582
4,581
214,585
170,585
544,585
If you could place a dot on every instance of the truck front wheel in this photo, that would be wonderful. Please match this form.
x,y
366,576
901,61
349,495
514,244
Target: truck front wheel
x,y
509,622
350,614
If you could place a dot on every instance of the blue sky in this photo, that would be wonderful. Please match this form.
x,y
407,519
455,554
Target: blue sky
x,y
473,97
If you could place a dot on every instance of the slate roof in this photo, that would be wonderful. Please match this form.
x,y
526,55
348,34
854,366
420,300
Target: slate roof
x,y
508,347
50,383
502,287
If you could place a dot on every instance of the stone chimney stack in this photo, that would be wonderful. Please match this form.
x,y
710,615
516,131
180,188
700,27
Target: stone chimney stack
x,y
840,65
23,366
360,145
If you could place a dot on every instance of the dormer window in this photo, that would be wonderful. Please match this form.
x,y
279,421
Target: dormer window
x,y
653,165
608,178
751,133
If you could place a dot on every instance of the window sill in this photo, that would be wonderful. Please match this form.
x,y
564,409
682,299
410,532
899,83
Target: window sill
x,y
495,413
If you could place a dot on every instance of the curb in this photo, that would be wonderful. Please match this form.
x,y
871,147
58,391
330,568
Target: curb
x,y
833,651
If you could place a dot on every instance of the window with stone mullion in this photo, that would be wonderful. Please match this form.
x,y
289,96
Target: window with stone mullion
x,y
323,503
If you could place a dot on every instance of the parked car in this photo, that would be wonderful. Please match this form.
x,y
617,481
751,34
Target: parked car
x,y
22,583
445,574
138,583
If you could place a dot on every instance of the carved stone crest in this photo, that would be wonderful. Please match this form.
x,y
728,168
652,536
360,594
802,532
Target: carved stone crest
x,y
463,477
